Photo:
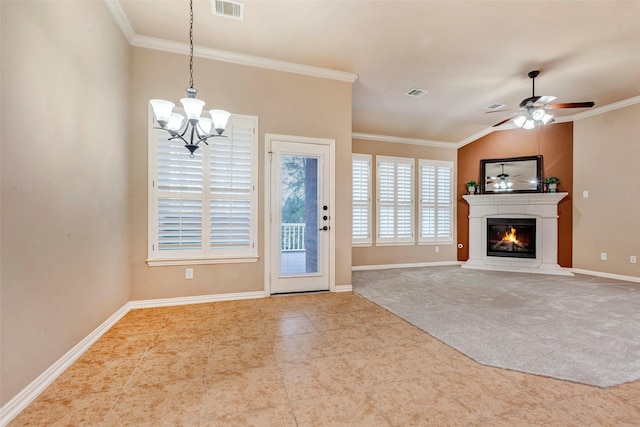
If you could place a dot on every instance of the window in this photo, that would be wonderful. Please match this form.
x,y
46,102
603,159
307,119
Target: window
x,y
436,201
395,205
361,196
203,209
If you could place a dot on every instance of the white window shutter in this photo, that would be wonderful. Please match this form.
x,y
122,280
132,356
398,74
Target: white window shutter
x,y
361,199
395,207
436,201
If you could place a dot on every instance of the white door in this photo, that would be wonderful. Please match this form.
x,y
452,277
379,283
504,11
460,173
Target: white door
x,y
300,216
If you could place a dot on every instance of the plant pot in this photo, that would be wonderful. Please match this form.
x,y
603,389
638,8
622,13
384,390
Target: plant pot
x,y
471,190
552,187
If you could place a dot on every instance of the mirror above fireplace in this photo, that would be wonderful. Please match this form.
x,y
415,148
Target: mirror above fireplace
x,y
511,175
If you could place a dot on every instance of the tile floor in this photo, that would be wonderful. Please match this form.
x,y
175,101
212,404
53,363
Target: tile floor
x,y
308,360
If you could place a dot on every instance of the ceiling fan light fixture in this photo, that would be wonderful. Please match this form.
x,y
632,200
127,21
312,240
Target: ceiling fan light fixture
x,y
519,121
538,113
529,124
547,118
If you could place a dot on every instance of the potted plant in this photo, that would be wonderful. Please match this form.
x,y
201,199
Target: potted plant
x,y
552,183
471,187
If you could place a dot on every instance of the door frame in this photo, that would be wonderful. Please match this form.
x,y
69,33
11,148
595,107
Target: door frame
x,y
268,137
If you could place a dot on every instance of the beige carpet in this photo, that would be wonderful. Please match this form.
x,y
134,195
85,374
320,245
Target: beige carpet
x,y
583,329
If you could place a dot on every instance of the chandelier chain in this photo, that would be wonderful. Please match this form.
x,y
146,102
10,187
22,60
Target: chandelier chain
x,y
191,44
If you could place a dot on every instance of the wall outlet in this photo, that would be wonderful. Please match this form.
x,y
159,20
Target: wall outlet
x,y
603,256
188,273
585,194
437,248
632,259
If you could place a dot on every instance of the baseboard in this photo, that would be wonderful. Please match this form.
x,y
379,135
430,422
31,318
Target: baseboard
x,y
343,288
199,299
606,275
411,265
20,401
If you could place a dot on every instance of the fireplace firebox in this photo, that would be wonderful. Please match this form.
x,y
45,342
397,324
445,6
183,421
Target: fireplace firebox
x,y
511,237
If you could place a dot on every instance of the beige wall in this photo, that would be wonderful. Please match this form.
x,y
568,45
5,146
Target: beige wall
x,y
65,68
406,254
285,103
606,151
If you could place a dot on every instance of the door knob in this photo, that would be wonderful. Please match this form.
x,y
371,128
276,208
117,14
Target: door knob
x,y
325,228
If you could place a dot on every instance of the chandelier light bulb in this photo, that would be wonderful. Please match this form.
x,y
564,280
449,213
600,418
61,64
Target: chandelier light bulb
x,y
204,124
162,110
220,119
192,107
175,121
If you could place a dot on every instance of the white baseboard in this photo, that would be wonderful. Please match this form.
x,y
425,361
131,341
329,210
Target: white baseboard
x,y
606,275
343,288
20,401
412,265
199,299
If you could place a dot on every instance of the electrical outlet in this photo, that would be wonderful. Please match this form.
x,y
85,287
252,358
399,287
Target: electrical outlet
x,y
603,256
437,248
585,194
632,259
188,273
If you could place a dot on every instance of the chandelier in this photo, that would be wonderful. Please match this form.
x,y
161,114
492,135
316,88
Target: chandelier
x,y
531,117
196,128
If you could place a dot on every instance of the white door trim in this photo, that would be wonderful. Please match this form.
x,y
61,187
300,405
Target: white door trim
x,y
267,203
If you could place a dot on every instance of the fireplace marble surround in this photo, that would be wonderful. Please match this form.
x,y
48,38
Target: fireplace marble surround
x,y
541,206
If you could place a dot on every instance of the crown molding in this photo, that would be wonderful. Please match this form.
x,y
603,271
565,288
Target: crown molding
x,y
221,55
121,19
242,59
606,108
401,140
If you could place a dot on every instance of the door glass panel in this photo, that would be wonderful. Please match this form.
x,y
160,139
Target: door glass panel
x,y
299,215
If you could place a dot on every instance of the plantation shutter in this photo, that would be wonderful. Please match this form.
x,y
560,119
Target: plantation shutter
x,y
395,199
361,195
436,201
231,189
179,206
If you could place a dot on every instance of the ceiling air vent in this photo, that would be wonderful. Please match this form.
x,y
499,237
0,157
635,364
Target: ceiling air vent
x,y
230,9
416,93
495,106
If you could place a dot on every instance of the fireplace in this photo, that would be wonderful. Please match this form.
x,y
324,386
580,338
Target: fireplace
x,y
511,237
540,212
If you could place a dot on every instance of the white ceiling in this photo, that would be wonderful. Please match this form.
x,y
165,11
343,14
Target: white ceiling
x,y
467,54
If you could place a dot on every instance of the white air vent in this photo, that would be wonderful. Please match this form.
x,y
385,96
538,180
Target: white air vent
x,y
416,93
495,106
230,9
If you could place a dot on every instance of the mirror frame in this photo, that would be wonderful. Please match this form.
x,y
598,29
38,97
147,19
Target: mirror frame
x,y
534,172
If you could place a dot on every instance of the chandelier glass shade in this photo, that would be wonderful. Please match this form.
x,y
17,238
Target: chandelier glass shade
x,y
196,128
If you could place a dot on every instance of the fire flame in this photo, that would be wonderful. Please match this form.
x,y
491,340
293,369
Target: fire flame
x,y
510,236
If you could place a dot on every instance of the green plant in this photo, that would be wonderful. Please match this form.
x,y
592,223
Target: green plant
x,y
472,184
551,180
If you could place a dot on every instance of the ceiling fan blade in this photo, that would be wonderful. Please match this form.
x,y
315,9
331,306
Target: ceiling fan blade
x,y
571,105
504,121
545,99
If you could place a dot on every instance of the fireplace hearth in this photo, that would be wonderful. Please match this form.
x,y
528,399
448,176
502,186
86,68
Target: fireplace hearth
x,y
511,237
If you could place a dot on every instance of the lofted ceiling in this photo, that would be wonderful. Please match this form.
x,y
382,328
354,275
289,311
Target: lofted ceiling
x,y
466,54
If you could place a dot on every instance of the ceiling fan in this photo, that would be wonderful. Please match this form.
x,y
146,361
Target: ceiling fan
x,y
533,110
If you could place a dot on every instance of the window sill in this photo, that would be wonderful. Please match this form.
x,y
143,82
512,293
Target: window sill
x,y
434,243
395,243
199,261
361,245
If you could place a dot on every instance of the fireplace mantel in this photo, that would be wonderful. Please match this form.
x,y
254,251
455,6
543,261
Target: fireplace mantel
x,y
541,206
